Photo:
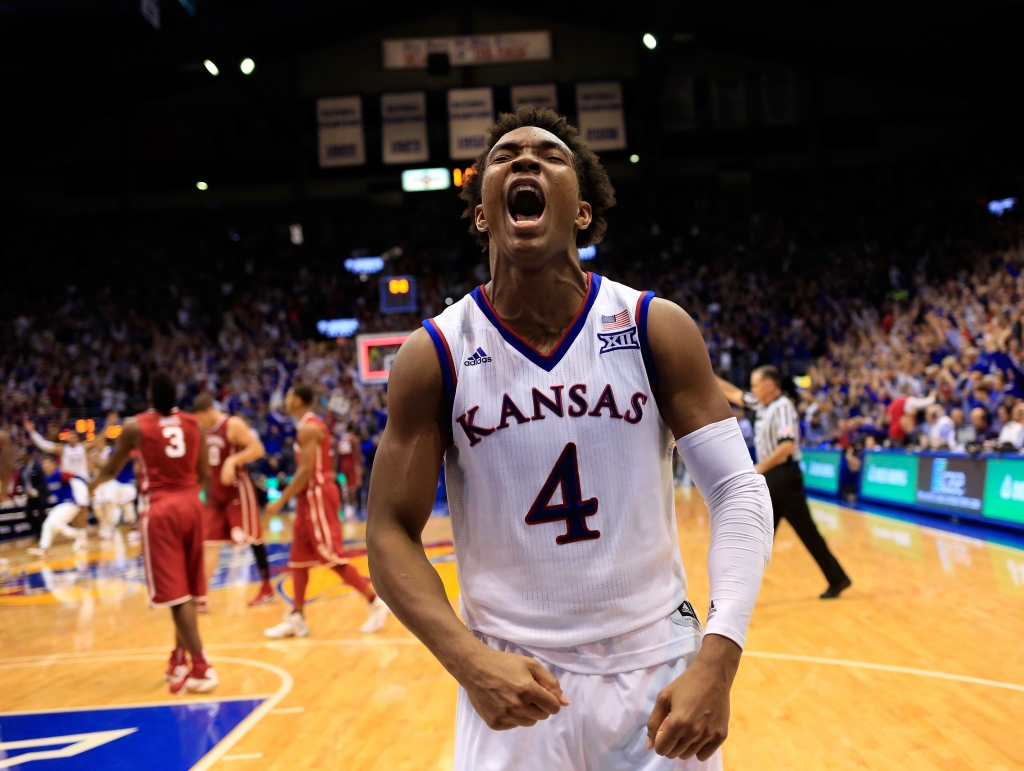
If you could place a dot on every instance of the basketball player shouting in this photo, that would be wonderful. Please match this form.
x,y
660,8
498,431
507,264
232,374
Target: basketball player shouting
x,y
233,513
555,397
316,534
173,459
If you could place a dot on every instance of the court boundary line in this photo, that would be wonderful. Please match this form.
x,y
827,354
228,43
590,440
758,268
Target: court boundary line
x,y
135,705
884,668
233,736
274,646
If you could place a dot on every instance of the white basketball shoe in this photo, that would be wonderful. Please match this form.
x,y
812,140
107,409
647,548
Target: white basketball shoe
x,y
294,625
379,613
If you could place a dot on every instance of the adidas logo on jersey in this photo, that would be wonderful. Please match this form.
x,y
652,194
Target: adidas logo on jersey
x,y
478,357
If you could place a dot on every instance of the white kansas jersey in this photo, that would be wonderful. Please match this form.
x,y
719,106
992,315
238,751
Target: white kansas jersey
x,y
559,477
73,460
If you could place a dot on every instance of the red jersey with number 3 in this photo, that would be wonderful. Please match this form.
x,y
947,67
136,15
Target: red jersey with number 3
x,y
168,453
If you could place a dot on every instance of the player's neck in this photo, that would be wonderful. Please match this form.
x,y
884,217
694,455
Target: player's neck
x,y
539,305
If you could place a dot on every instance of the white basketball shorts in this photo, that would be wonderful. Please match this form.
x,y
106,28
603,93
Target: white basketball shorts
x,y
604,728
80,491
107,492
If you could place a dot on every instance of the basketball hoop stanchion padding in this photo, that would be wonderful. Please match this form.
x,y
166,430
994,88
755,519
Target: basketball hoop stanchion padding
x,y
376,352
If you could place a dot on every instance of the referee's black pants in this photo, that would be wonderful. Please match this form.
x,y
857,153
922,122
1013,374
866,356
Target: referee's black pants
x,y
35,515
786,487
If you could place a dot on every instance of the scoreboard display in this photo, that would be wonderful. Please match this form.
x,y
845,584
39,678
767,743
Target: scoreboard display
x,y
376,353
398,294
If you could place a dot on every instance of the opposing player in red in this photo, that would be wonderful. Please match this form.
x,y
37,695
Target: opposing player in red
x,y
350,464
316,536
173,462
232,511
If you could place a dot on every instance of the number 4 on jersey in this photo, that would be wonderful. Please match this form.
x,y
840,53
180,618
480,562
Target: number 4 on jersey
x,y
565,474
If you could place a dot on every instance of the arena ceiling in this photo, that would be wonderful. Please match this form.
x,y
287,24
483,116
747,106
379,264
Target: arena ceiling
x,y
65,61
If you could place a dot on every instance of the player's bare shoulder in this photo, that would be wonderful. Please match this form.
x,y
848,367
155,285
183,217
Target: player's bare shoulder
x,y
131,432
689,396
238,430
310,432
415,385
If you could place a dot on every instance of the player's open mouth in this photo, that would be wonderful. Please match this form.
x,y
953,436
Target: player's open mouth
x,y
525,203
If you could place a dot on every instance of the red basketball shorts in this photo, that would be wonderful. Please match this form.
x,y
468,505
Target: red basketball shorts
x,y
172,549
316,537
234,520
347,466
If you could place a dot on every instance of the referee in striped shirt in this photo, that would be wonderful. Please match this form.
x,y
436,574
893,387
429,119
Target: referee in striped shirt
x,y
776,440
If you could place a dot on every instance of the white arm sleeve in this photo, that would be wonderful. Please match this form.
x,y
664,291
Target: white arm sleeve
x,y
742,528
915,403
43,444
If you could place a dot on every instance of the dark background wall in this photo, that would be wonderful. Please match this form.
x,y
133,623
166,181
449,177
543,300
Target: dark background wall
x,y
105,114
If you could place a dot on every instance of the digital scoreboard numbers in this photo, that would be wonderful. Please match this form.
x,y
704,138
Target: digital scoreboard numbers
x,y
398,294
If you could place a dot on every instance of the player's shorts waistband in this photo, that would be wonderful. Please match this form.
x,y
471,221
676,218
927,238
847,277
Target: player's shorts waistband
x,y
652,646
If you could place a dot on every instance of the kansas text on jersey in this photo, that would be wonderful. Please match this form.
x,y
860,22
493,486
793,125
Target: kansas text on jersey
x,y
559,475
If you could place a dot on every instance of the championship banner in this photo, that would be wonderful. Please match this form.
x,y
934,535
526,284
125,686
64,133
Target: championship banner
x,y
470,114
679,106
729,101
340,131
404,118
778,93
599,114
540,95
464,50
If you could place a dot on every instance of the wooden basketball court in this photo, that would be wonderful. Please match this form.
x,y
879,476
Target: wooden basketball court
x,y
919,666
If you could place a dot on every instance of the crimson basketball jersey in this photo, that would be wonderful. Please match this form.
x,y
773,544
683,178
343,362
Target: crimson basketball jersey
x,y
559,475
219,447
168,453
321,475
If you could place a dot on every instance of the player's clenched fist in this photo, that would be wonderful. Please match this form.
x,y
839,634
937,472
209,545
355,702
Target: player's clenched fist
x,y
508,690
691,714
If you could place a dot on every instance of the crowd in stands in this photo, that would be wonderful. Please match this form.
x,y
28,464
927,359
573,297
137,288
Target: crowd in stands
x,y
943,371
894,303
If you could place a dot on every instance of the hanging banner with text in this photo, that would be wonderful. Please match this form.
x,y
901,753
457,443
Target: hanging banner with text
x,y
542,95
404,118
602,122
470,114
465,50
340,131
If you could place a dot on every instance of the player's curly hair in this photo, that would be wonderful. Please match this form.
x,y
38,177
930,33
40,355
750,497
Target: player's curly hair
x,y
595,187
